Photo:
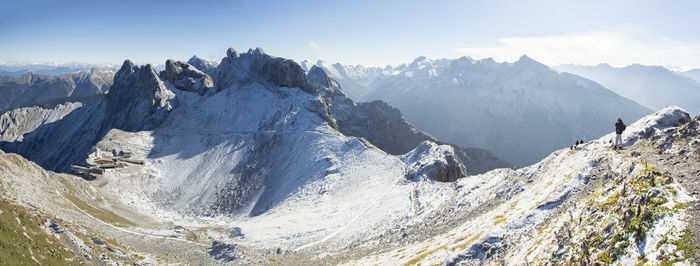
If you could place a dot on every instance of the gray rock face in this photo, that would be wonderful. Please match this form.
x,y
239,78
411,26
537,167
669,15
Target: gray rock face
x,y
137,94
256,66
382,125
186,77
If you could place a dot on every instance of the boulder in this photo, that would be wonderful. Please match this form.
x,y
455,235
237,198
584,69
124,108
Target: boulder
x,y
437,162
186,77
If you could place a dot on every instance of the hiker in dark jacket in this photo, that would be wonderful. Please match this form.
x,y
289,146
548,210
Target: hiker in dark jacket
x,y
619,128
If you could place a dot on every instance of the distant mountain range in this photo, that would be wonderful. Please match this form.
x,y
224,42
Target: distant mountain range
x,y
693,74
52,69
36,89
521,111
652,86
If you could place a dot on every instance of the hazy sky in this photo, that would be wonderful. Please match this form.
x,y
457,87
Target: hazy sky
x,y
371,32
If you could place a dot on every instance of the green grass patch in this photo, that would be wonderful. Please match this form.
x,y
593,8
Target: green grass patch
x,y
689,249
25,242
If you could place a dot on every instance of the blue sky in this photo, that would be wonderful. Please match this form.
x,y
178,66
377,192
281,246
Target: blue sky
x,y
373,33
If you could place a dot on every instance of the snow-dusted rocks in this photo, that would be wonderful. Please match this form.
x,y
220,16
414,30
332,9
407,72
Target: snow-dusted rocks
x,y
203,65
437,162
186,77
256,66
652,126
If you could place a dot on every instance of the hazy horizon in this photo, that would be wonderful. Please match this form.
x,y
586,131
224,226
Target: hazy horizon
x,y
367,33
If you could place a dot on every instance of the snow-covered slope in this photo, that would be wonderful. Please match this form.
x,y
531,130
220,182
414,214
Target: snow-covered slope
x,y
586,205
651,86
521,111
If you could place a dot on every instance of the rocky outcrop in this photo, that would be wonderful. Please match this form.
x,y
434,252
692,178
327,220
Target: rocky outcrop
x,y
256,66
186,77
138,100
438,162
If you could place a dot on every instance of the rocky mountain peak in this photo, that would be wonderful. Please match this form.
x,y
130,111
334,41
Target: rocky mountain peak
x,y
137,93
256,66
421,60
186,77
132,81
257,50
231,53
319,79
526,62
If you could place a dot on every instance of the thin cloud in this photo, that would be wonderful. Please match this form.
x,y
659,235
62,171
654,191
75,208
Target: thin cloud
x,y
314,46
592,48
316,50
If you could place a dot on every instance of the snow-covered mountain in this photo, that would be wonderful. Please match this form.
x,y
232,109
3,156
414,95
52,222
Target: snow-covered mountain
x,y
651,86
585,206
33,89
51,69
521,111
271,164
243,141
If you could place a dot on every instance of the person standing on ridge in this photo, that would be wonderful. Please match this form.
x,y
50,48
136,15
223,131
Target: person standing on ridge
x,y
619,128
